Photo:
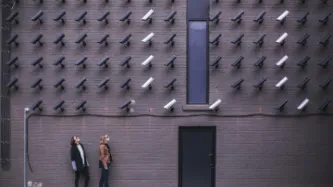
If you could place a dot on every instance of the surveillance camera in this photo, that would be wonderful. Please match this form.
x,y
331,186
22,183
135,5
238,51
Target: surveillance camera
x,y
148,60
283,16
238,17
126,84
323,107
260,62
148,83
260,18
281,39
303,105
281,83
215,105
148,38
104,17
282,61
126,17
148,14
37,105
27,109
171,17
127,105
169,106
60,16
59,106
281,106
81,106
103,83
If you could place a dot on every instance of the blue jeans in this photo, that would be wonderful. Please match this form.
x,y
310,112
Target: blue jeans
x,y
104,180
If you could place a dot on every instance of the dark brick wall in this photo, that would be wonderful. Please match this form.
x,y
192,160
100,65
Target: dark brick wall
x,y
250,151
257,151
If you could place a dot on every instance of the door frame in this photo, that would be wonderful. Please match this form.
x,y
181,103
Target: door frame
x,y
213,129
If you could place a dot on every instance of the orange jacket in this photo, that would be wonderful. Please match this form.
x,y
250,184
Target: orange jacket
x,y
104,155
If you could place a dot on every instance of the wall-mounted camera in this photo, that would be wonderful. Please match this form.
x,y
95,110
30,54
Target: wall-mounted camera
x,y
282,38
148,61
281,83
38,16
147,16
148,83
170,105
37,105
127,106
104,18
282,61
59,106
215,105
59,61
126,18
13,17
171,17
303,104
282,17
81,106
238,17
60,16
82,17
148,38
13,62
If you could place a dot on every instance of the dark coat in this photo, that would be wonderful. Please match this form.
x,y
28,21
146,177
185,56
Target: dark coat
x,y
107,145
75,156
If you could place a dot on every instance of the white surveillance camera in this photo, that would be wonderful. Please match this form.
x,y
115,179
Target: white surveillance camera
x,y
148,83
281,39
281,83
282,61
169,106
26,109
148,60
148,38
303,104
148,14
215,105
283,16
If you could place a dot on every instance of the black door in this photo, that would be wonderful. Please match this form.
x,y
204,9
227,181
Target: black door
x,y
196,156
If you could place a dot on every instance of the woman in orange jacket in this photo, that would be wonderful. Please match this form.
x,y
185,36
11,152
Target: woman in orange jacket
x,y
105,159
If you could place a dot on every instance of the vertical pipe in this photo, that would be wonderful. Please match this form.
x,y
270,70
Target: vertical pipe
x,y
26,110
2,145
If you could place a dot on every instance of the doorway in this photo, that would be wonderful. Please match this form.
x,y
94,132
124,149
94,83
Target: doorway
x,y
196,156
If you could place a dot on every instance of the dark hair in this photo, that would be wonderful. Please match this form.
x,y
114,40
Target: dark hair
x,y
72,143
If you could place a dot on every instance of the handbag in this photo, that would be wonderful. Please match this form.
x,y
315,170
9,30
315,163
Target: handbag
x,y
110,156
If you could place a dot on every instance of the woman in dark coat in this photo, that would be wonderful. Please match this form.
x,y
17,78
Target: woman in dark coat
x,y
79,161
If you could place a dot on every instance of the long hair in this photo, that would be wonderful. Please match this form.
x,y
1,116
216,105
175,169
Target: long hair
x,y
72,143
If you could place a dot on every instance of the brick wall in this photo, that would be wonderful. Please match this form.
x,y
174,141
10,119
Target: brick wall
x,y
257,151
250,151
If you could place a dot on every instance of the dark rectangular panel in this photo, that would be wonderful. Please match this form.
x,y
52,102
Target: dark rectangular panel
x,y
197,63
196,163
197,9
5,131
